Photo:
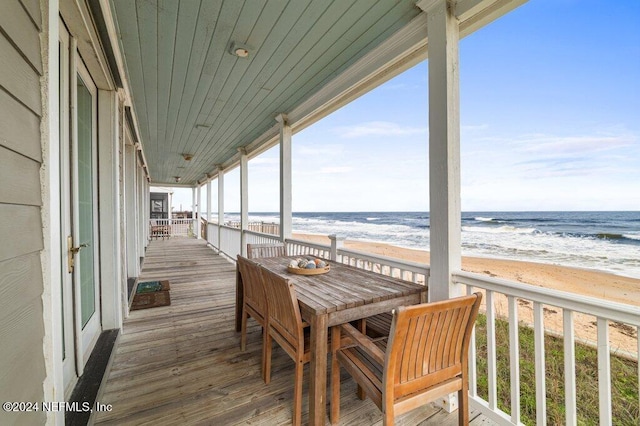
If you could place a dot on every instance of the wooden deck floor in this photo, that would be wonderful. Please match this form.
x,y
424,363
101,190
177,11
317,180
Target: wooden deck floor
x,y
181,364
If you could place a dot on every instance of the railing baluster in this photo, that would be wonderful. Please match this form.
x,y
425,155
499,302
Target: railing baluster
x,y
491,351
569,367
604,371
538,333
514,359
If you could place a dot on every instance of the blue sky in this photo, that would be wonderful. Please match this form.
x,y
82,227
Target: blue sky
x,y
550,120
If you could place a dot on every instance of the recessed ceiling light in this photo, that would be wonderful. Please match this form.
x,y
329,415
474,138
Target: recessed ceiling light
x,y
239,50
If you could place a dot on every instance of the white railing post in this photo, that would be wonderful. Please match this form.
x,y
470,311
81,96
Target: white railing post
x,y
514,354
491,352
569,367
337,243
604,371
541,388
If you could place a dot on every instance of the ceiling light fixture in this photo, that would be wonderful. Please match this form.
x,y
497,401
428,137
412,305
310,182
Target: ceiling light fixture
x,y
187,157
239,50
177,178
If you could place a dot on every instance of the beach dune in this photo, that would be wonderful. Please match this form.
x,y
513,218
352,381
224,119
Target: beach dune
x,y
585,282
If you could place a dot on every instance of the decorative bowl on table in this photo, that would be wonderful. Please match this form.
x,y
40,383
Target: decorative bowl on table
x,y
308,266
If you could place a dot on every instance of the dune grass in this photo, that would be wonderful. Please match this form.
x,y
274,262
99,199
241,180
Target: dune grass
x,y
624,374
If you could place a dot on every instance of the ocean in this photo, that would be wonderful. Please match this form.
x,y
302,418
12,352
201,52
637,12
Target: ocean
x,y
607,241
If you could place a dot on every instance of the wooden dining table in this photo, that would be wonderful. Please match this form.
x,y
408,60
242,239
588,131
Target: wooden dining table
x,y
344,294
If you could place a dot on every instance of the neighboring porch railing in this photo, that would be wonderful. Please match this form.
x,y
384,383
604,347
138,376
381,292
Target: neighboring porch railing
x,y
167,228
259,227
515,293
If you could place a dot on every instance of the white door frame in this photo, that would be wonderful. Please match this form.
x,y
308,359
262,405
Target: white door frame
x,y
70,376
85,336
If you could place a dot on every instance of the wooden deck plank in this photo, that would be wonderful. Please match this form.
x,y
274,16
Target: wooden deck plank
x,y
182,363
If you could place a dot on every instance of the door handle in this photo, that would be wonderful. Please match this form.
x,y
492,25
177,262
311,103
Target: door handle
x,y
75,250
71,252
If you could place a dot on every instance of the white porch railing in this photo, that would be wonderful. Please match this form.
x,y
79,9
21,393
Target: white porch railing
x,y
230,241
254,237
540,298
213,235
515,293
410,271
306,248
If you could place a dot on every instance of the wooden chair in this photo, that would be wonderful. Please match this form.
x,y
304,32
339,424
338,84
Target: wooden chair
x,y
287,329
266,250
254,303
425,358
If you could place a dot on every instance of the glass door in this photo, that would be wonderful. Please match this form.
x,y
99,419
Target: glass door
x,y
80,316
84,217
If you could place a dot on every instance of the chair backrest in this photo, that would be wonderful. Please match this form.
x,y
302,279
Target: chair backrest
x,y
284,313
254,290
428,344
266,250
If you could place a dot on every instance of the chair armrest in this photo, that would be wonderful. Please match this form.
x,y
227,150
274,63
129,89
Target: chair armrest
x,y
364,342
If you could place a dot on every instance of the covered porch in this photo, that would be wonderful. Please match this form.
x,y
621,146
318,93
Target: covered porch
x,y
182,363
238,93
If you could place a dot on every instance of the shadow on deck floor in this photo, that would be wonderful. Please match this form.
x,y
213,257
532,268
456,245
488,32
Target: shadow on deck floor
x,y
181,364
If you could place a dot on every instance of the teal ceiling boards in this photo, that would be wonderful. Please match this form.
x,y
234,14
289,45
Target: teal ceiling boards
x,y
208,77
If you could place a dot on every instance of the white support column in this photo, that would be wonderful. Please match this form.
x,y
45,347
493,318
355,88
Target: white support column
x,y
147,192
143,221
193,210
199,208
285,177
130,210
444,148
220,204
109,199
170,214
145,208
209,201
244,199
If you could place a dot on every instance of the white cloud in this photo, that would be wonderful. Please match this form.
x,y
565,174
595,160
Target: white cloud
x,y
378,128
581,144
473,127
336,170
260,160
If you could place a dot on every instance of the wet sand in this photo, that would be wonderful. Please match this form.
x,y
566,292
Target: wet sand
x,y
586,282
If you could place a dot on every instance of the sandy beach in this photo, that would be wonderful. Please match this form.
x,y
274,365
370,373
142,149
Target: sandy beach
x,y
586,282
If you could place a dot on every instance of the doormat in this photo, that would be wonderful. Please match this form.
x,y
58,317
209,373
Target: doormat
x,y
150,294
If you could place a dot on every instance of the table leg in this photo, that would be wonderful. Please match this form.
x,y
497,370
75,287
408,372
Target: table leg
x,y
318,370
